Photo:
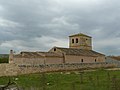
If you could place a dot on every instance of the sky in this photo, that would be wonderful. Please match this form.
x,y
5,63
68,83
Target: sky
x,y
39,25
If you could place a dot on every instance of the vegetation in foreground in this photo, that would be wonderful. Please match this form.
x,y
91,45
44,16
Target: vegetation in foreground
x,y
4,58
77,80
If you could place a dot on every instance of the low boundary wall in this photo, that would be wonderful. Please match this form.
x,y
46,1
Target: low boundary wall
x,y
13,69
8,69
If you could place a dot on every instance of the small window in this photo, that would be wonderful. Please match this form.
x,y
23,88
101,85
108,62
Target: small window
x,y
54,49
86,39
72,40
81,60
95,60
76,40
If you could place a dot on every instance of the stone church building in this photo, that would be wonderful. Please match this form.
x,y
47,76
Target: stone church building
x,y
79,51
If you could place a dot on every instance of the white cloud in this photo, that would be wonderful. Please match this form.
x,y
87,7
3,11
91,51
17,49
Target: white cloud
x,y
1,8
42,24
80,3
108,42
51,42
8,23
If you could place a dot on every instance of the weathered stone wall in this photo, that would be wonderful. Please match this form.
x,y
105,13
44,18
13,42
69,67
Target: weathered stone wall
x,y
53,60
20,61
8,69
26,69
83,42
86,59
40,60
101,59
13,69
59,60
111,60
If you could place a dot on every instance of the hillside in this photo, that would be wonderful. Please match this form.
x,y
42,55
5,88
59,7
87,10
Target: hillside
x,y
115,57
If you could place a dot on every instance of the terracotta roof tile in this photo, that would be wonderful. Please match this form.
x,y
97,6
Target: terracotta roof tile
x,y
80,34
37,54
72,51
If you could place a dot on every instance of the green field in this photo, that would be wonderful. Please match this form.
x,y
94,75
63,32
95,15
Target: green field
x,y
93,80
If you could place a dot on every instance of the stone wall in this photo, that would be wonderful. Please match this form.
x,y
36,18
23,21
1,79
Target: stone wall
x,y
40,60
25,69
59,60
13,69
53,60
8,69
83,59
83,42
111,60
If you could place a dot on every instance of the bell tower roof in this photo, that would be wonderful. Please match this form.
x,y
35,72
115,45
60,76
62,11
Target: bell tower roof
x,y
80,34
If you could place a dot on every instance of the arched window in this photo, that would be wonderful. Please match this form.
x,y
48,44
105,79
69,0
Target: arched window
x,y
76,40
95,60
54,49
72,40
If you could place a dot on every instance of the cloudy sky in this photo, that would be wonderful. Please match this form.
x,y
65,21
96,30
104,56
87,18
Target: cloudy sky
x,y
38,25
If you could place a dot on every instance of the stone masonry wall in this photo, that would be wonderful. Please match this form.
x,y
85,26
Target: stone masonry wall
x,y
8,69
13,69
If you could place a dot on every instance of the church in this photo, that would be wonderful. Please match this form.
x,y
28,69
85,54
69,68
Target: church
x,y
79,51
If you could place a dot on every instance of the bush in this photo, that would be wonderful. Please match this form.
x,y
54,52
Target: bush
x,y
4,60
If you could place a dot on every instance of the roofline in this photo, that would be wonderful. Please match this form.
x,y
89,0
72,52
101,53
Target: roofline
x,y
80,34
101,54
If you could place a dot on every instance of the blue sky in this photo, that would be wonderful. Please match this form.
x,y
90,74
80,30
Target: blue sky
x,y
38,25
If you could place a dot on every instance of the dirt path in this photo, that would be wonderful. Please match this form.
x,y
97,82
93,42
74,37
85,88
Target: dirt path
x,y
113,69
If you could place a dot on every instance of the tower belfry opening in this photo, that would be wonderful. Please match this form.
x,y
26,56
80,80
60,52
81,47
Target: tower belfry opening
x,y
80,41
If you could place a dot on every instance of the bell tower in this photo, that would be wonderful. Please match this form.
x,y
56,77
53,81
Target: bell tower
x,y
80,41
11,56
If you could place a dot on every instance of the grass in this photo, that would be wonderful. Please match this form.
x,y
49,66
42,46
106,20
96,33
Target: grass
x,y
94,80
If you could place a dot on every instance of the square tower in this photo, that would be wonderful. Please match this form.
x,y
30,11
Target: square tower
x,y
80,41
